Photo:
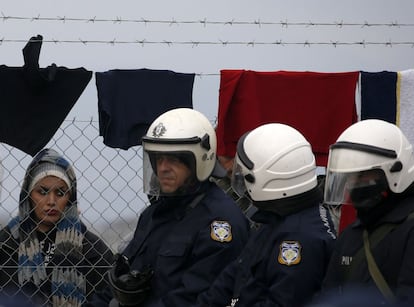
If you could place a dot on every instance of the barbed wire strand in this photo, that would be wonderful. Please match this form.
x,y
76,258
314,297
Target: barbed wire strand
x,y
282,43
205,21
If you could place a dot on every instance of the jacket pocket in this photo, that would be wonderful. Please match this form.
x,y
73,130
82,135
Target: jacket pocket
x,y
175,247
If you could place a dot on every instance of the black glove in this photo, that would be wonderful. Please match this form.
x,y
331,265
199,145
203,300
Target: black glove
x,y
130,288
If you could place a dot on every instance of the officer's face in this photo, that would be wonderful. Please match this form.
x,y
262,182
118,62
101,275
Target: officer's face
x,y
171,173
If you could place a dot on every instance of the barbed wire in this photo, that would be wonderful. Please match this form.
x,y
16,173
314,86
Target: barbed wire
x,y
204,22
143,42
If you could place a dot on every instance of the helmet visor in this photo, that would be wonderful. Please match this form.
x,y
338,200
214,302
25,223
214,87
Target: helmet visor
x,y
346,188
238,183
150,180
169,173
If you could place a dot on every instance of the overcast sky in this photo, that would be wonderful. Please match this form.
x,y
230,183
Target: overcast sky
x,y
306,30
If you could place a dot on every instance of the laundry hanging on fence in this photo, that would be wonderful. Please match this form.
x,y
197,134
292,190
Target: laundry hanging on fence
x,y
319,105
379,95
129,100
35,101
405,103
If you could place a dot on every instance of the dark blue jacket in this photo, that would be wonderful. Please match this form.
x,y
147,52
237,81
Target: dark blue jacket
x,y
283,264
182,244
394,254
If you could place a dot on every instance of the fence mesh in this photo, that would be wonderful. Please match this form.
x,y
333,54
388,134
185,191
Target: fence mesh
x,y
110,194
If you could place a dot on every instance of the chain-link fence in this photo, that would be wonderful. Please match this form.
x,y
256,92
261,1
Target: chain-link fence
x,y
110,195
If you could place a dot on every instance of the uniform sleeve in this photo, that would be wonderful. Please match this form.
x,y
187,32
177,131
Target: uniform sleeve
x,y
221,291
296,269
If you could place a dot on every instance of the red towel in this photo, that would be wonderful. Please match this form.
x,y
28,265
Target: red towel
x,y
319,105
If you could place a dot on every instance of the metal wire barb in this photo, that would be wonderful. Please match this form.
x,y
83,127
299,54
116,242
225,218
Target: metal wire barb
x,y
205,22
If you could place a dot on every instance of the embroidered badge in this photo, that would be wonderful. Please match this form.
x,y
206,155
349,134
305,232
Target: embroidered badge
x,y
221,231
289,253
159,130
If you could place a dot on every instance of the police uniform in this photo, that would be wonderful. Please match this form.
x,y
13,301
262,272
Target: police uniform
x,y
187,241
393,254
283,264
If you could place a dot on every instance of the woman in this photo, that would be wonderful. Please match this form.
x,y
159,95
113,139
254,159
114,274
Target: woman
x,y
46,252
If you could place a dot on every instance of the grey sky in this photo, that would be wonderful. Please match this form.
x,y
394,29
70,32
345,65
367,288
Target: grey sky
x,y
207,59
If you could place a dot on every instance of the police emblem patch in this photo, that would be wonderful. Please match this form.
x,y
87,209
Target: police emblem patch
x,y
289,253
159,130
221,231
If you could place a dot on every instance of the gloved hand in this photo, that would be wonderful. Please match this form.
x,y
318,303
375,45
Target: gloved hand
x,y
130,288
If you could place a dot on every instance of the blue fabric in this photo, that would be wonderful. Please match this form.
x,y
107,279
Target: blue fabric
x,y
129,101
379,95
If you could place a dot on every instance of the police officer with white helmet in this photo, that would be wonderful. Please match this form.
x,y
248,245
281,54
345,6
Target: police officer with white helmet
x,y
284,261
371,166
191,230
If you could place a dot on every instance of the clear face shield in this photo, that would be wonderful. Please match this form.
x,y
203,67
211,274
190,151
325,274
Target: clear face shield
x,y
177,174
354,188
150,180
238,183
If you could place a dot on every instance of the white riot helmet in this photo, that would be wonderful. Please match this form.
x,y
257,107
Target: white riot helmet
x,y
369,157
184,132
273,161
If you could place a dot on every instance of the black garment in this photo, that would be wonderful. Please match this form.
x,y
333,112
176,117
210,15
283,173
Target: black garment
x,y
394,254
97,258
130,100
35,101
283,263
181,244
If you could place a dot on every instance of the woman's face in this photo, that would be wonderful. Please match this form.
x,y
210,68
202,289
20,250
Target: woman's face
x,y
49,198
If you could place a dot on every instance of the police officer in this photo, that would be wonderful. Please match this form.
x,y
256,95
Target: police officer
x,y
285,259
371,166
191,230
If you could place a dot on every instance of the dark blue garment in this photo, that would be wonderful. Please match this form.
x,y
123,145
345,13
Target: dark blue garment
x,y
393,254
130,100
283,264
379,95
355,296
177,241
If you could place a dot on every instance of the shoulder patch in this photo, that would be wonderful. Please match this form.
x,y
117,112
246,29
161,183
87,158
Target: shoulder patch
x,y
289,253
221,231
